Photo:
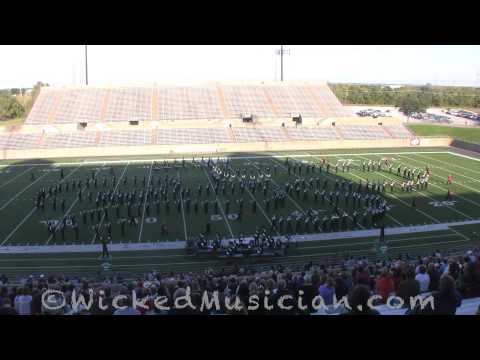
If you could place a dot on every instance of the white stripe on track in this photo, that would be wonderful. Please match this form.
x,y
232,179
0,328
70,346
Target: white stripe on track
x,y
16,177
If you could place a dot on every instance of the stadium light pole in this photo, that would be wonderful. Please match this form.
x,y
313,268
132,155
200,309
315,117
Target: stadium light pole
x,y
282,52
86,65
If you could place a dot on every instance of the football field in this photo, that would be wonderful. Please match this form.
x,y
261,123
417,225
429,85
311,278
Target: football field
x,y
447,223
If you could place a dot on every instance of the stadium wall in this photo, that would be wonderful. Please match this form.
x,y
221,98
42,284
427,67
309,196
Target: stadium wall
x,y
219,148
466,145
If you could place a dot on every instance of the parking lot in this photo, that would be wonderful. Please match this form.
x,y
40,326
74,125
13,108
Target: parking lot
x,y
434,115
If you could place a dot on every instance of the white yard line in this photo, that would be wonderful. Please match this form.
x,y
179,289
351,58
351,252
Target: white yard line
x,y
428,197
21,192
405,203
446,171
18,226
15,178
288,196
228,157
260,207
219,204
34,209
456,183
183,211
283,166
145,202
339,236
388,215
389,241
450,164
66,213
462,155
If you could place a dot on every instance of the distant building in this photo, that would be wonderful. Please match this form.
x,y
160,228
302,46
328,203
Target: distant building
x,y
394,86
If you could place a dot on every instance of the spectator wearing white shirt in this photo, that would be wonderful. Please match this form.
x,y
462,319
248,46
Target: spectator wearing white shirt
x,y
423,279
23,302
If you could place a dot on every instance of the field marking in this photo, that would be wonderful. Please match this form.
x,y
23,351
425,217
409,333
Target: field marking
x,y
216,263
34,209
21,192
114,190
373,242
446,171
16,177
288,196
18,226
429,197
339,236
462,155
388,215
145,202
223,157
183,211
143,257
66,214
404,202
322,175
456,183
219,203
460,234
458,166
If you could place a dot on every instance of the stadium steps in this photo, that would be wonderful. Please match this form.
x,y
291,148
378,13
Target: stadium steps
x,y
390,135
41,141
153,137
98,137
287,134
221,98
338,133
105,105
52,114
315,98
155,115
231,135
270,102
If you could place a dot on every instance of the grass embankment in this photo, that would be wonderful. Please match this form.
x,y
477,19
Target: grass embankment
x,y
471,135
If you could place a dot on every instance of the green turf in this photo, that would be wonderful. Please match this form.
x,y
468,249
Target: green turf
x,y
21,223
471,135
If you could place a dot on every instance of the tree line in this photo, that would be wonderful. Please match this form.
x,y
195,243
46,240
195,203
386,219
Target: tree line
x,y
16,103
423,96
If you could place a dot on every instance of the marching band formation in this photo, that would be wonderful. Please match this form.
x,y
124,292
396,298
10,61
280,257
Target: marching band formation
x,y
120,202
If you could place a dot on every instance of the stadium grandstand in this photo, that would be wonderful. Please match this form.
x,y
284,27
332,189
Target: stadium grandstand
x,y
271,207
210,118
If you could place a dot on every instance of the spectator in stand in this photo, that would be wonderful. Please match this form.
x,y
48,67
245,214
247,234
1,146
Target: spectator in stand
x,y
434,275
125,307
309,292
385,285
397,277
23,302
358,301
287,303
327,291
446,300
5,307
409,287
361,276
423,279
342,285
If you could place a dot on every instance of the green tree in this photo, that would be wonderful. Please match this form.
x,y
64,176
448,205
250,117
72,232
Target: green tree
x,y
410,104
10,108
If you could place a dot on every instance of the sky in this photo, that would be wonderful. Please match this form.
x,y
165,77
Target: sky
x,y
64,65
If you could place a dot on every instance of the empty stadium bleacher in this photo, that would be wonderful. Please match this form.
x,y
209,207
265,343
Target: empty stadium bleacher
x,y
188,102
185,136
363,132
214,111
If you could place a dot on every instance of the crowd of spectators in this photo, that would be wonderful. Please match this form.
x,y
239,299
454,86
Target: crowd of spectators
x,y
448,278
